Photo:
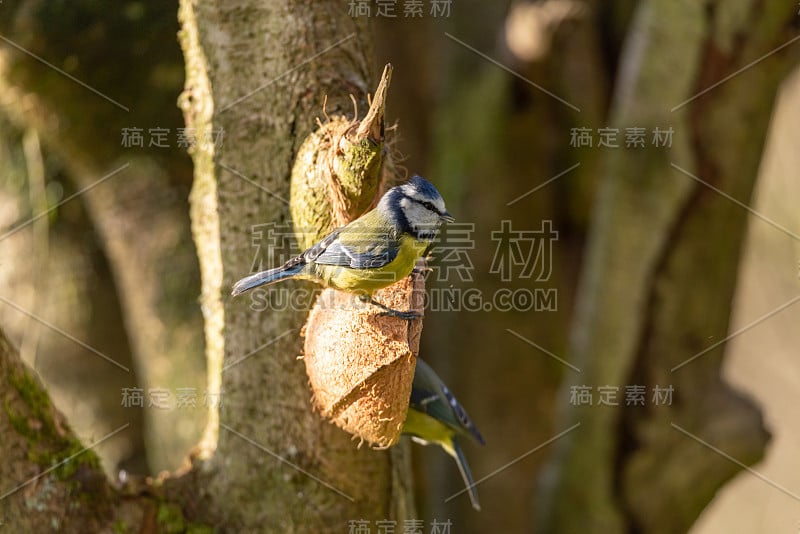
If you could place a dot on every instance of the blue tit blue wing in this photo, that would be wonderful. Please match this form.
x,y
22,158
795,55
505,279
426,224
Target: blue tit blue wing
x,y
431,396
356,247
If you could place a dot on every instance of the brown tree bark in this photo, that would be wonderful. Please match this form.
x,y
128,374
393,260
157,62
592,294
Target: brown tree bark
x,y
45,469
259,73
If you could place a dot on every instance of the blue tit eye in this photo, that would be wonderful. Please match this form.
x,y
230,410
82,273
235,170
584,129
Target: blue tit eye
x,y
429,206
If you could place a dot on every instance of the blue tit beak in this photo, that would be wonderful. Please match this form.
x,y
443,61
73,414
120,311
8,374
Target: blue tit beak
x,y
447,217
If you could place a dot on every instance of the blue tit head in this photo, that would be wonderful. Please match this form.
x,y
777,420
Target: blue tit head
x,y
416,207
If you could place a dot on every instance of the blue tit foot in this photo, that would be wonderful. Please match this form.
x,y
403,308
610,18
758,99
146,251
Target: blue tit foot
x,y
405,315
391,312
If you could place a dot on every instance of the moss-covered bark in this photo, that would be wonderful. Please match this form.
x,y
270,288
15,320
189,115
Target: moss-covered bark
x,y
52,482
49,480
339,169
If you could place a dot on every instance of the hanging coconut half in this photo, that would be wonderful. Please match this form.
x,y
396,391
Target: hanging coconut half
x,y
360,363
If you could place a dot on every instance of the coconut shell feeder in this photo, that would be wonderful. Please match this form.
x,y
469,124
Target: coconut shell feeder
x,y
360,364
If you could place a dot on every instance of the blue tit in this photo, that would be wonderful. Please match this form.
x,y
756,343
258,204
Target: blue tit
x,y
374,251
436,416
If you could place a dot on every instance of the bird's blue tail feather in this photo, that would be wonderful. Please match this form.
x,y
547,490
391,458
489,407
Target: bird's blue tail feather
x,y
466,474
265,277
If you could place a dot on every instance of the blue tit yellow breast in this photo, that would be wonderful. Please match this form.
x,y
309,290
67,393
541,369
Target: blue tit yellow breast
x,y
429,429
367,281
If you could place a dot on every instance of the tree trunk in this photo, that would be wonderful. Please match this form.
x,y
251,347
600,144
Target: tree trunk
x,y
660,273
259,72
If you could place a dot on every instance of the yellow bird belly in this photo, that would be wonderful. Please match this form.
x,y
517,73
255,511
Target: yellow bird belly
x,y
429,429
366,281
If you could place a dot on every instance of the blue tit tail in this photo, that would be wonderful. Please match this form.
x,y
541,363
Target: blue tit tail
x,y
454,450
267,277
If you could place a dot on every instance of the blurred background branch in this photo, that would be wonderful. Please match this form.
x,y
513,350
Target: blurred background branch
x,y
137,221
